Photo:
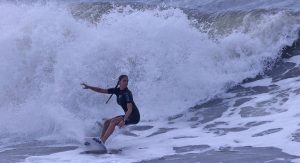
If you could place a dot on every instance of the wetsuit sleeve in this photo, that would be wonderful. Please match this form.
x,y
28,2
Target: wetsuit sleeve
x,y
128,97
111,91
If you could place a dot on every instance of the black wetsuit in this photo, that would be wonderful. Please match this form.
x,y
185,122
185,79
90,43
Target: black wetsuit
x,y
124,97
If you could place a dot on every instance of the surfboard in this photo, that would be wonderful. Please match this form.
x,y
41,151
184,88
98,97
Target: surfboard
x,y
93,147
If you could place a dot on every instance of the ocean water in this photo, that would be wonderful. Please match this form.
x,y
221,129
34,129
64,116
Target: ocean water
x,y
180,56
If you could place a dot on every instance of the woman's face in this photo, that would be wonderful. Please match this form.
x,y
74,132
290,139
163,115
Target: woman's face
x,y
124,82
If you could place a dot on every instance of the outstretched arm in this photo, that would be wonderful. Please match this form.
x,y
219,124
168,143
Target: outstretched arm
x,y
96,89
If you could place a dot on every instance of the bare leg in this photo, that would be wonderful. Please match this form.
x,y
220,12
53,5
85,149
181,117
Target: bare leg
x,y
105,126
111,127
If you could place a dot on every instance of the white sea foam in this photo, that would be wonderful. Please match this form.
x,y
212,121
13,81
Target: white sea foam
x,y
161,145
46,53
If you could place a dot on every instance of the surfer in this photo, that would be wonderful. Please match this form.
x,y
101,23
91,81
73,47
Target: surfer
x,y
125,100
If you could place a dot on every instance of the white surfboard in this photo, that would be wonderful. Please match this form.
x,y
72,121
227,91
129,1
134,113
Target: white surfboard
x,y
93,147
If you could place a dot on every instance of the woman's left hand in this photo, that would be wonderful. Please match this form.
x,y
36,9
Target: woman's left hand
x,y
84,86
121,124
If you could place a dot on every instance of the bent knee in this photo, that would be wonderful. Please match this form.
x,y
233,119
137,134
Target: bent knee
x,y
115,121
107,122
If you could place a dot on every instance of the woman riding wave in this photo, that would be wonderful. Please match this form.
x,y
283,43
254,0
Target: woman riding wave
x,y
125,100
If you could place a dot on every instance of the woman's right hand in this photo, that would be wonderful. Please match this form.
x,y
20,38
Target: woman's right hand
x,y
84,86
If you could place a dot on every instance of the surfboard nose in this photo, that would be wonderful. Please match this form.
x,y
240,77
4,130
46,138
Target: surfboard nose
x,y
94,147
